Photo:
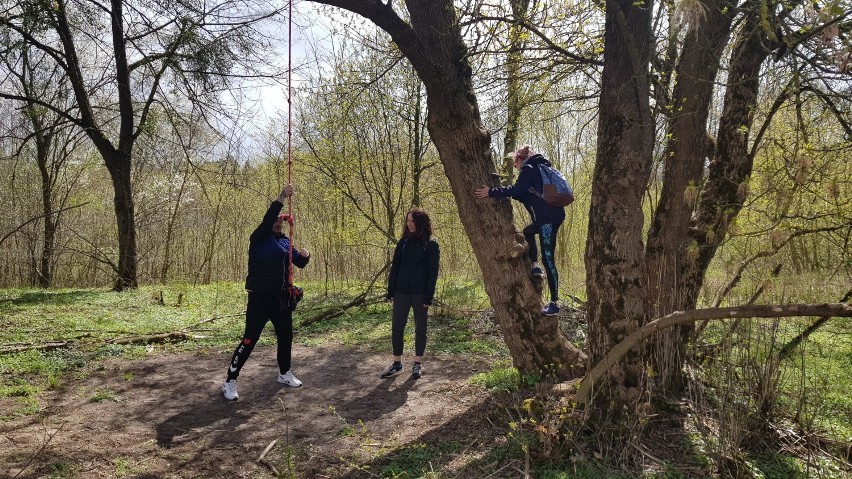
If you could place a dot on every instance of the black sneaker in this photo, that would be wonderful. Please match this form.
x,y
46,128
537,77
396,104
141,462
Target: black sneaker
x,y
552,309
416,371
393,369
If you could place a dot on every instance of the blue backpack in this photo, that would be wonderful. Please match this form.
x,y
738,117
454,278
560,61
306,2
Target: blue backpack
x,y
556,190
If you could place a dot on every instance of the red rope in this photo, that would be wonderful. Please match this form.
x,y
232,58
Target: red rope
x,y
290,134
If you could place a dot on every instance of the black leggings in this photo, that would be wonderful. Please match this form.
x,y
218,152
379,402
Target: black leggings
x,y
260,309
547,235
402,304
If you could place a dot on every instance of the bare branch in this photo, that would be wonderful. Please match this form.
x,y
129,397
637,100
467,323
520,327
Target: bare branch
x,y
587,384
7,235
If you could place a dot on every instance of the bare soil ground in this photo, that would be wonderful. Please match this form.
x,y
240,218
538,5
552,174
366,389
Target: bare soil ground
x,y
165,417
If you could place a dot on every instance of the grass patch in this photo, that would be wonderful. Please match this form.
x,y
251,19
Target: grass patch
x,y
503,377
102,395
417,460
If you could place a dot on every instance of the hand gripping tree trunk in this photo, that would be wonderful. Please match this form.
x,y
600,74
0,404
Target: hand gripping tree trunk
x,y
432,43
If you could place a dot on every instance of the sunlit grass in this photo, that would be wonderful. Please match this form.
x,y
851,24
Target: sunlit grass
x,y
502,377
816,379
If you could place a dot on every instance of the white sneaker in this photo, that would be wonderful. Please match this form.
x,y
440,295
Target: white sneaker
x,y
289,379
229,389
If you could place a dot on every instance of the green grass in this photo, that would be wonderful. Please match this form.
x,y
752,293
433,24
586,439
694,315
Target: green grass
x,y
102,395
417,460
503,377
88,318
820,391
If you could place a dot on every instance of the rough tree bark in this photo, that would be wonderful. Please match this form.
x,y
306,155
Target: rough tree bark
x,y
118,159
723,195
684,158
614,248
432,42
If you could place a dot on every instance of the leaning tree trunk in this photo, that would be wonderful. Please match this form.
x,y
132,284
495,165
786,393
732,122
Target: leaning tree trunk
x,y
432,43
684,157
614,249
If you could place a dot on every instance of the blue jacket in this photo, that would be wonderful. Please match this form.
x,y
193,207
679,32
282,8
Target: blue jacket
x,y
414,268
530,177
268,256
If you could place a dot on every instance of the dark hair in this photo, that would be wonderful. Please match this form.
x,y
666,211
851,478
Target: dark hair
x,y
422,225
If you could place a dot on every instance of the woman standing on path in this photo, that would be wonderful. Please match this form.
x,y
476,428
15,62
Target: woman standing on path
x,y
546,219
268,272
411,287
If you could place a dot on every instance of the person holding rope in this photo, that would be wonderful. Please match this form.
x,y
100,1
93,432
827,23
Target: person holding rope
x,y
411,287
546,219
269,294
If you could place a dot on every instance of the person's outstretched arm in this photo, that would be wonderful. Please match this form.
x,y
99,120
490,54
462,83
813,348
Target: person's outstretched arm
x,y
521,186
265,226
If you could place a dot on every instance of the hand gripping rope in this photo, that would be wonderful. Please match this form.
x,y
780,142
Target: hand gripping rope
x,y
291,294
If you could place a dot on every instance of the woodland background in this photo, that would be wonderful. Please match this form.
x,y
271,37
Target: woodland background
x,y
194,151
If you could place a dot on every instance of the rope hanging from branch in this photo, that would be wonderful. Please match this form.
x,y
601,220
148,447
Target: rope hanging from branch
x,y
290,137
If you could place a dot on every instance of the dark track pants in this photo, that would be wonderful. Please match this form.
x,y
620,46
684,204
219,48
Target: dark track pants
x,y
547,237
260,309
402,304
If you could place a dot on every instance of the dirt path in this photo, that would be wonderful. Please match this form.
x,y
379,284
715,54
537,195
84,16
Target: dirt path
x,y
164,417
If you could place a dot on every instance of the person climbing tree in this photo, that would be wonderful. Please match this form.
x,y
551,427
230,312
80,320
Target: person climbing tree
x,y
546,219
268,289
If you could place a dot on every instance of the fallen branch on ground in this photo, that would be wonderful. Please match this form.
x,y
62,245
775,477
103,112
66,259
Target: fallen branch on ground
x,y
155,338
17,348
40,450
262,458
359,301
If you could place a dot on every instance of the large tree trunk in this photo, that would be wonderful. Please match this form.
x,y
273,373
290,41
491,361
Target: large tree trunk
x,y
51,220
684,158
722,196
614,248
117,160
118,165
432,43
731,166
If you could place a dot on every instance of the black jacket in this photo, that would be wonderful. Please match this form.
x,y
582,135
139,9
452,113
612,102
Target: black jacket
x,y
268,256
414,268
530,177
